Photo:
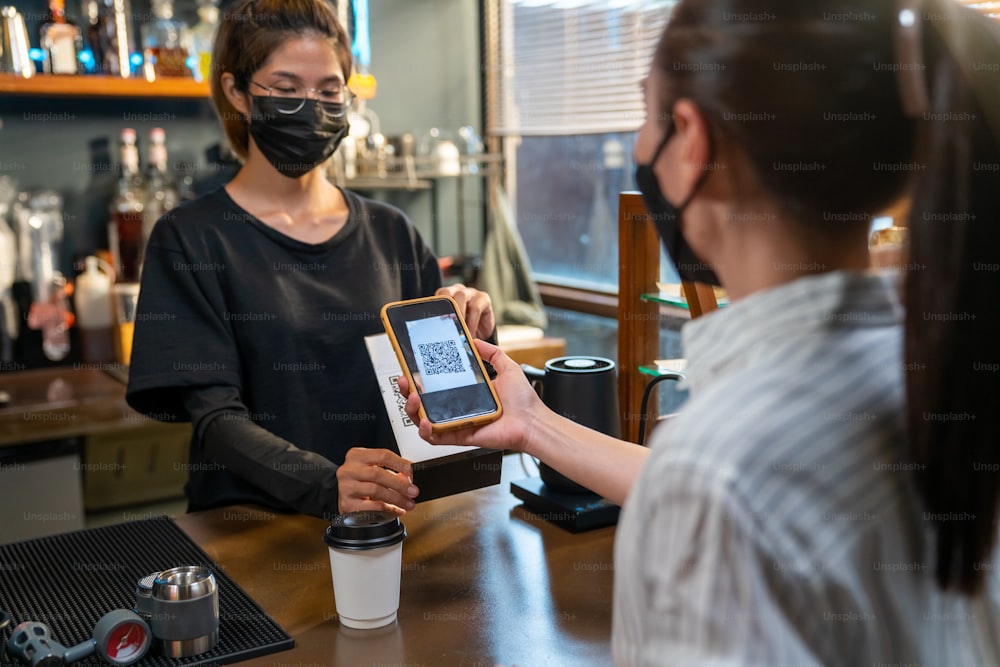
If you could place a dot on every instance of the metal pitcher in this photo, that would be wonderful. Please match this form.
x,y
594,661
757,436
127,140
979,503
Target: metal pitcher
x,y
584,389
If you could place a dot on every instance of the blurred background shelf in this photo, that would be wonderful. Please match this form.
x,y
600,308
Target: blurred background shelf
x,y
665,367
101,86
671,294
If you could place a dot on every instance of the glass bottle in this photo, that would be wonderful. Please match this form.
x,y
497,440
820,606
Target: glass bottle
x,y
61,41
166,44
185,188
92,33
49,311
125,230
161,195
110,36
203,37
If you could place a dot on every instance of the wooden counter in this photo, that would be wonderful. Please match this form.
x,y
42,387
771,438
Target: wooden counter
x,y
483,582
69,443
65,402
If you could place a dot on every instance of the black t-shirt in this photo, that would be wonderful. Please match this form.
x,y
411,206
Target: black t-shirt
x,y
230,304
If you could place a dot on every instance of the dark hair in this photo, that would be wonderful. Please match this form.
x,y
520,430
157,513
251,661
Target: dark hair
x,y
778,79
815,87
249,32
952,324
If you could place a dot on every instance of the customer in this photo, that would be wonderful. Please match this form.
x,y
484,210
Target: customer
x,y
256,298
811,504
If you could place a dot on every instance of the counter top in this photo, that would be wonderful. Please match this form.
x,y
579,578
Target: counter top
x,y
56,403
483,582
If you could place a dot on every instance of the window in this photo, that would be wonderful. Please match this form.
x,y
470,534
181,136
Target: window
x,y
563,97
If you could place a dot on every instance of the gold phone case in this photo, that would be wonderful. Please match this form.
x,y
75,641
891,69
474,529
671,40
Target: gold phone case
x,y
436,427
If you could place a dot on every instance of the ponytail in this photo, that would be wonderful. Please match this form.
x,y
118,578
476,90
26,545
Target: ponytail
x,y
952,344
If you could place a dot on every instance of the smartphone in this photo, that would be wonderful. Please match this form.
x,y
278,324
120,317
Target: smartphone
x,y
435,351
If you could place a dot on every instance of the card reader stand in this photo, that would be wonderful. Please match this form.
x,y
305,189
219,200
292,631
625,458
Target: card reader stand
x,y
576,512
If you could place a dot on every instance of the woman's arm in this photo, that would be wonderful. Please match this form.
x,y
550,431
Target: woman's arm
x,y
603,464
309,483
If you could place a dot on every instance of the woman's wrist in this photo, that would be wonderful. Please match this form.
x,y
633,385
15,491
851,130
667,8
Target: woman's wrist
x,y
538,430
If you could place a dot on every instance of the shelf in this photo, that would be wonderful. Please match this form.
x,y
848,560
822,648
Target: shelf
x,y
673,300
673,368
100,86
668,299
395,182
642,299
670,294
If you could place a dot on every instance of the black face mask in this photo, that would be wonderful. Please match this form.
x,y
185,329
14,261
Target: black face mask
x,y
667,219
295,143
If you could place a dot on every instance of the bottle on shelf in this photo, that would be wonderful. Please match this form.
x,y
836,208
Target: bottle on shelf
x,y
110,36
203,37
166,44
92,34
94,315
125,230
185,188
61,41
161,195
53,317
49,311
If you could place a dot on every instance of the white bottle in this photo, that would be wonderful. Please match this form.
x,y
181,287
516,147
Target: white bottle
x,y
94,314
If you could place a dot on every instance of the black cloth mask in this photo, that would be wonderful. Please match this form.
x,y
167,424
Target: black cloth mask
x,y
295,143
667,219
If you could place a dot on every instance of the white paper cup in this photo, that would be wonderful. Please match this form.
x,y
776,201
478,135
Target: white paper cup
x,y
366,558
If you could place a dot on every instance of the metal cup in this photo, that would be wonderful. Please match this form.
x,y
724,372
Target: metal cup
x,y
14,47
185,611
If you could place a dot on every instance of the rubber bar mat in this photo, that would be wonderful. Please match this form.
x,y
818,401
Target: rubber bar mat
x,y
69,581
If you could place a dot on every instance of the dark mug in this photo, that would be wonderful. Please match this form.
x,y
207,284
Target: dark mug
x,y
584,390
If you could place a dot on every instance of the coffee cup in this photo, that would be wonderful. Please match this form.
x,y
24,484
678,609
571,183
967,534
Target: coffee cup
x,y
366,558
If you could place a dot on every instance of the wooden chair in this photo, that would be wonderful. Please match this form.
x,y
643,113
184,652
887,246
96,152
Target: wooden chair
x,y
639,320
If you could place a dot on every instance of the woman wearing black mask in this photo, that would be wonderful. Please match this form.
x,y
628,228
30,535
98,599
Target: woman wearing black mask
x,y
256,298
829,493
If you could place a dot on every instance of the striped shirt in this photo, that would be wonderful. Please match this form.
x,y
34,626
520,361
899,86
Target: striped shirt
x,y
775,522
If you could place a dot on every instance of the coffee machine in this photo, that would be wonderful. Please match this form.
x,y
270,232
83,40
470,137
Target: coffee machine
x,y
585,390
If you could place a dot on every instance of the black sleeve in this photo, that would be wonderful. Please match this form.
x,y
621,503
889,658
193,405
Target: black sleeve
x,y
430,269
182,338
224,432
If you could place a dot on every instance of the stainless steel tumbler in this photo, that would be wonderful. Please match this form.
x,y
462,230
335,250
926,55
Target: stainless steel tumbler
x,y
184,610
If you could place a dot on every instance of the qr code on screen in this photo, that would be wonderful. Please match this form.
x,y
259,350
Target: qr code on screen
x,y
441,357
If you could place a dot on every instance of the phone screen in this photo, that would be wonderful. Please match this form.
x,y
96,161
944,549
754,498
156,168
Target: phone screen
x,y
441,361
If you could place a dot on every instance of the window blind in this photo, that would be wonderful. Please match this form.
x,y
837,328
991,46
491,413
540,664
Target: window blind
x,y
566,67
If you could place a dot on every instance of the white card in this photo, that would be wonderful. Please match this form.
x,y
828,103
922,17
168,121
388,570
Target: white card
x,y
411,446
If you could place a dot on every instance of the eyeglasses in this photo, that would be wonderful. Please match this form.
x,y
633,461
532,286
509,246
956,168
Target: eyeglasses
x,y
288,97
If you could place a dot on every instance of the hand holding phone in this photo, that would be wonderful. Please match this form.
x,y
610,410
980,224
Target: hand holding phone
x,y
435,352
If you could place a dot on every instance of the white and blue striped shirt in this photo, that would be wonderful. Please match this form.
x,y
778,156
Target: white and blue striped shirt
x,y
775,522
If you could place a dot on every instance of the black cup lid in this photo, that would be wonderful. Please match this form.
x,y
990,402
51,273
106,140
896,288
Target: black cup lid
x,y
364,530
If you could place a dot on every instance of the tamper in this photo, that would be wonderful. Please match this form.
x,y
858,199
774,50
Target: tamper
x,y
120,637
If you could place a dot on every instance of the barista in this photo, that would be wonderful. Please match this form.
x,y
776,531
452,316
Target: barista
x,y
256,298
